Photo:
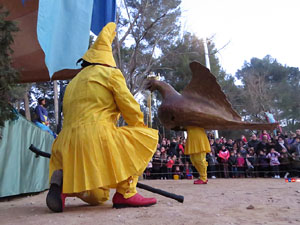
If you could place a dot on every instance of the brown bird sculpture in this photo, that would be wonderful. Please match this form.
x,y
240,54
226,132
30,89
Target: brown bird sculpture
x,y
202,104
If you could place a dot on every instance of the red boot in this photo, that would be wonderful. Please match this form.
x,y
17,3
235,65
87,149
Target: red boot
x,y
200,181
135,201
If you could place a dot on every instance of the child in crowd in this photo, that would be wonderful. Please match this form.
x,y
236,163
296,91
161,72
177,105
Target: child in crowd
x,y
249,165
164,159
156,165
274,162
264,133
148,171
181,158
212,163
263,163
187,171
243,152
250,161
240,165
224,156
232,161
180,146
178,172
244,139
170,163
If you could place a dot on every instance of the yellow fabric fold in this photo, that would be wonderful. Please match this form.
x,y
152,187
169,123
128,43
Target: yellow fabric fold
x,y
197,141
199,161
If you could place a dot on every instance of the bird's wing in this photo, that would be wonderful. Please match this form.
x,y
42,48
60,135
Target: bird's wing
x,y
204,88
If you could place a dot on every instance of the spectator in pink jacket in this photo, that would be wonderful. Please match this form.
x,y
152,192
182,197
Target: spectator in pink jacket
x,y
264,133
240,165
223,157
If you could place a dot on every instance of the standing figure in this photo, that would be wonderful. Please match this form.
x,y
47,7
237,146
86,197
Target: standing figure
x,y
240,165
197,146
223,157
232,161
91,154
41,112
274,162
41,115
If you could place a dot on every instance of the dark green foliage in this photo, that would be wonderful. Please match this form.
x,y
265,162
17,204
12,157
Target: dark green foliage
x,y
270,86
8,75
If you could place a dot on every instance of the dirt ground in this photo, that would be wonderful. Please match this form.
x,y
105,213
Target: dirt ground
x,y
221,201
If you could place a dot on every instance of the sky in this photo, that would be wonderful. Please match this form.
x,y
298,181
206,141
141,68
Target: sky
x,y
253,28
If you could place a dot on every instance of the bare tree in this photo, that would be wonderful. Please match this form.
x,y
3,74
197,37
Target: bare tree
x,y
257,94
144,28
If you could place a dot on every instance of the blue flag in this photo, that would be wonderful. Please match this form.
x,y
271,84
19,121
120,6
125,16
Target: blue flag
x,y
104,11
63,29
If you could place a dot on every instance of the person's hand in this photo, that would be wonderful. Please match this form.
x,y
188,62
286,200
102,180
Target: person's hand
x,y
47,123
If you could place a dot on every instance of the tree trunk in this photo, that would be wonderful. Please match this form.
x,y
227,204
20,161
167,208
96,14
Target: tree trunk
x,y
26,106
18,105
55,101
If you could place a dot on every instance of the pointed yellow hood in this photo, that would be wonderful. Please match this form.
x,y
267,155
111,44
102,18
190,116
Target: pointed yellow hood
x,y
101,51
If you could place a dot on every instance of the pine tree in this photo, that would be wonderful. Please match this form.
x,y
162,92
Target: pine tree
x,y
8,75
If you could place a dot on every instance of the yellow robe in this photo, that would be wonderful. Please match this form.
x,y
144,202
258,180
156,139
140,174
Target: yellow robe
x,y
91,150
197,141
197,146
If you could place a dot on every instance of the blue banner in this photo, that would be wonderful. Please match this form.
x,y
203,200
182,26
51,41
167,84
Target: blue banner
x,y
104,11
63,31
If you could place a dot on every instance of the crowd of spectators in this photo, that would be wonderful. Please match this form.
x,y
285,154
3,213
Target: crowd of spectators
x,y
263,155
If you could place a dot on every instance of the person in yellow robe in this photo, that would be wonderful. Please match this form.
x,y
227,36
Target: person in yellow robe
x,y
197,145
91,154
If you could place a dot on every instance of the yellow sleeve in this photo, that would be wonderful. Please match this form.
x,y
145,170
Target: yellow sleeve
x,y
129,107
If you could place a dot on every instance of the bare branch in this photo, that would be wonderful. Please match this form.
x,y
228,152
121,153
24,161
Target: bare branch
x,y
131,23
151,25
218,50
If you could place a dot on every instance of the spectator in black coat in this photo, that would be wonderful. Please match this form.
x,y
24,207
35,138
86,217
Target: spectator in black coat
x,y
253,142
229,144
280,145
173,149
263,145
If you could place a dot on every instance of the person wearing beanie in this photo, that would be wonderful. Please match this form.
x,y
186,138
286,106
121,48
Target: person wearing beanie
x,y
92,154
41,112
197,145
41,116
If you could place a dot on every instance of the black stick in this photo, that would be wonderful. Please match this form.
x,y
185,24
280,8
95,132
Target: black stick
x,y
39,152
179,198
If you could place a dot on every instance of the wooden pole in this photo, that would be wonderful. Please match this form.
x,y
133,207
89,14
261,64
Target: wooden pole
x,y
149,107
26,106
55,89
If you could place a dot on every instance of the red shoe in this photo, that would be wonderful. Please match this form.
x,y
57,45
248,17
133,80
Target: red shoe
x,y
55,199
135,201
200,181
